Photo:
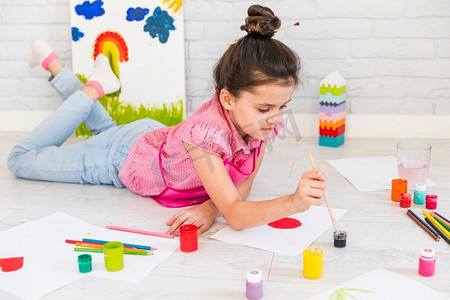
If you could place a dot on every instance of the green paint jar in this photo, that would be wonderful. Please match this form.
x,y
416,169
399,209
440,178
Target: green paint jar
x,y
420,192
84,263
113,256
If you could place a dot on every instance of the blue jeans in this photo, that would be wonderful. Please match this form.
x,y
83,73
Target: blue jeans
x,y
96,160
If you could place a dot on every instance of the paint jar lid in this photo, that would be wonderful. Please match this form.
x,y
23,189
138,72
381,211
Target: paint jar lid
x,y
431,197
254,276
421,187
405,197
431,201
427,252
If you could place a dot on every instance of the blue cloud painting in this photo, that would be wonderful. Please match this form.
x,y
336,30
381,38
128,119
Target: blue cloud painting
x,y
159,24
136,14
90,10
76,34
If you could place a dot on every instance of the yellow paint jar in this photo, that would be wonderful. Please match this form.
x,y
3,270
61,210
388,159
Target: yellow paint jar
x,y
113,252
312,263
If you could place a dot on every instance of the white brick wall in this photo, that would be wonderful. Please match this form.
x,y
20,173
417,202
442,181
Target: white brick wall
x,y
395,54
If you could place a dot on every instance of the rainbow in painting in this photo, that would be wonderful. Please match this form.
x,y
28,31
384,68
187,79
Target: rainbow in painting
x,y
113,46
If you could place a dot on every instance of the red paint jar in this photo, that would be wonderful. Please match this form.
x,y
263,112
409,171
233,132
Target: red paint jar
x,y
188,238
405,200
431,201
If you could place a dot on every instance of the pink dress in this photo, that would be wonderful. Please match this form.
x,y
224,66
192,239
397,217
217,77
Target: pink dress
x,y
158,165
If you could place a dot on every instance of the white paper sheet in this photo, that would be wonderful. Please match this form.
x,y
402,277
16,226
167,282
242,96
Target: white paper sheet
x,y
50,263
381,284
369,174
315,222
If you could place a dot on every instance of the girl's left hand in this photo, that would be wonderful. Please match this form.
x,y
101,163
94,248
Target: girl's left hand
x,y
202,215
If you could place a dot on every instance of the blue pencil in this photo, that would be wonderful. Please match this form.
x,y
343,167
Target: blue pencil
x,y
126,245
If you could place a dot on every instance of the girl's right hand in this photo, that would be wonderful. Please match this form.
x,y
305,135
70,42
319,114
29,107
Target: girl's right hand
x,y
202,216
310,190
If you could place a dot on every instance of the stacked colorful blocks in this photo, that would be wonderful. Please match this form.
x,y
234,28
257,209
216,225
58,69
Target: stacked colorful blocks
x,y
332,110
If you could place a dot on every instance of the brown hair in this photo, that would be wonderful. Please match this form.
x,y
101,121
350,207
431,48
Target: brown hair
x,y
257,59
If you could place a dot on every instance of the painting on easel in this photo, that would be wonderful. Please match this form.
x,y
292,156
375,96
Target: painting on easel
x,y
144,42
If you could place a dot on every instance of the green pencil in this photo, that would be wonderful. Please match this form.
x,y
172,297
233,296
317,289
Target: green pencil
x,y
442,223
79,249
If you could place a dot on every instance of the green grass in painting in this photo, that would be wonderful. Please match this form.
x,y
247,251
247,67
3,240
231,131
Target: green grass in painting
x,y
168,114
344,293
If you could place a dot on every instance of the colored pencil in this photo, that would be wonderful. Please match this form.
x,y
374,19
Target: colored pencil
x,y
434,215
423,222
325,196
444,231
97,245
441,222
124,244
423,225
78,249
437,229
132,230
100,246
447,220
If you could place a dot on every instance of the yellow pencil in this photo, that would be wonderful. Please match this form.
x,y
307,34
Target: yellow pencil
x,y
440,218
444,231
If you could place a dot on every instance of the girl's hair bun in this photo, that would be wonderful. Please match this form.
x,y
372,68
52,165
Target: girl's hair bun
x,y
261,21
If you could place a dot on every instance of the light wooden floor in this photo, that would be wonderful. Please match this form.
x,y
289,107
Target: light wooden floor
x,y
380,235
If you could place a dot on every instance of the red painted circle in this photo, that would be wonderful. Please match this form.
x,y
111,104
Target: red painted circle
x,y
11,264
285,223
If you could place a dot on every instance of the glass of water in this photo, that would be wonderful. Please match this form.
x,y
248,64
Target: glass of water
x,y
413,162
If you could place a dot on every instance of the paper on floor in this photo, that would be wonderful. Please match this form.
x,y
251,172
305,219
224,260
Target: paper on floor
x,y
315,222
381,284
50,263
369,174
